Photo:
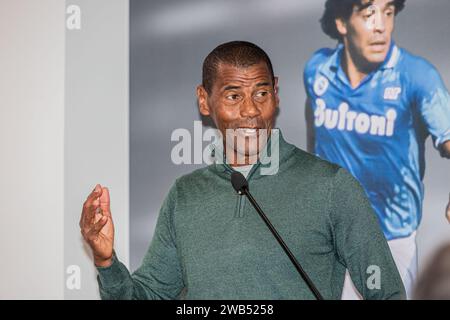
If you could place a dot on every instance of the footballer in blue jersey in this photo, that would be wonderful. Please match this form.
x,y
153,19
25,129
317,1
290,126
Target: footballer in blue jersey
x,y
371,105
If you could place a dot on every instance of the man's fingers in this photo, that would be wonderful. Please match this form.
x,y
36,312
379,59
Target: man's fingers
x,y
89,220
105,202
96,228
90,205
89,210
96,210
96,193
448,208
448,205
93,197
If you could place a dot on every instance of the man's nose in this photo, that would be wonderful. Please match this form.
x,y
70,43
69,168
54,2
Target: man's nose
x,y
380,22
249,109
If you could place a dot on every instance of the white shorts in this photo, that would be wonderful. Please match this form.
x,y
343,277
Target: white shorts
x,y
404,252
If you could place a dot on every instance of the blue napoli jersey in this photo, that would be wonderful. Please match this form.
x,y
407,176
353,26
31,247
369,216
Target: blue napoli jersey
x,y
377,131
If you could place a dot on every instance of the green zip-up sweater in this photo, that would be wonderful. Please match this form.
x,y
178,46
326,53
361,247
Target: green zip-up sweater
x,y
210,243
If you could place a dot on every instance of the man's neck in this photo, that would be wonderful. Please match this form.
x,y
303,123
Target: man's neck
x,y
238,160
355,69
235,159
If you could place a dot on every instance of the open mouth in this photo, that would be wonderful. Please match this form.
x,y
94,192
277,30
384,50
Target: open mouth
x,y
248,131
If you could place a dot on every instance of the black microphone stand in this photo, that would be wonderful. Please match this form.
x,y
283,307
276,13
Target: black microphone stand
x,y
240,184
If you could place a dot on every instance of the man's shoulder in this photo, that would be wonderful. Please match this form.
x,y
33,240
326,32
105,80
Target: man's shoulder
x,y
415,68
192,183
314,165
324,172
193,176
317,59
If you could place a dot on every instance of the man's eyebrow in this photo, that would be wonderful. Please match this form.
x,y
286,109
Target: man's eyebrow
x,y
263,84
231,88
368,4
260,84
390,4
361,7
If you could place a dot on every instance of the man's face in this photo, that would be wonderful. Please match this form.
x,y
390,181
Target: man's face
x,y
244,100
367,33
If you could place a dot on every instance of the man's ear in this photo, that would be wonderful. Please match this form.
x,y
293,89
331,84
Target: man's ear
x,y
202,97
341,26
276,90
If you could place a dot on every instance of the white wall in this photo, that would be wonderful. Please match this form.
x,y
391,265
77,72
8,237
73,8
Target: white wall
x,y
63,128
32,148
96,129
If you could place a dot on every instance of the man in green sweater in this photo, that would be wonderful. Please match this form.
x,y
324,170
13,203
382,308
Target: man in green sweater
x,y
210,243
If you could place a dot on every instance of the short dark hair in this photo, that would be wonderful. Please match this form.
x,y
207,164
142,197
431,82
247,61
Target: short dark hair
x,y
343,9
240,54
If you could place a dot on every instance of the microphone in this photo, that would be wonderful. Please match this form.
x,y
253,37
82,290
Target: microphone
x,y
240,184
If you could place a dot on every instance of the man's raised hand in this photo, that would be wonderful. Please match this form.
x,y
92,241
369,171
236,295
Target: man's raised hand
x,y
97,226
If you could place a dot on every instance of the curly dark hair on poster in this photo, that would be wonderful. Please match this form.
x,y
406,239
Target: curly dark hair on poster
x,y
335,9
